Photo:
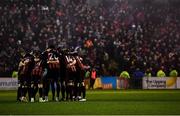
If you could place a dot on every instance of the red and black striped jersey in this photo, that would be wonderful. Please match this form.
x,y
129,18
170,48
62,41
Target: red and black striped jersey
x,y
51,59
26,65
38,69
71,62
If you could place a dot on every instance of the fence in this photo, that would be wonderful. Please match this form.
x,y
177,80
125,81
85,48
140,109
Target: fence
x,y
113,83
137,83
161,83
8,83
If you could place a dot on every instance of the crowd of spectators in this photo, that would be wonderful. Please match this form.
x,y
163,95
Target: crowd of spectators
x,y
112,35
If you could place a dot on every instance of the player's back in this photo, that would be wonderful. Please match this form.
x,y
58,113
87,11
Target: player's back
x,y
51,59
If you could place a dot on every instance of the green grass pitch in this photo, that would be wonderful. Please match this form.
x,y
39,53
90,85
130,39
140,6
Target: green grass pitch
x,y
106,102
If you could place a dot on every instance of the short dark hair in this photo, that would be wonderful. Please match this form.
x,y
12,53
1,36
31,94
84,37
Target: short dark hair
x,y
52,46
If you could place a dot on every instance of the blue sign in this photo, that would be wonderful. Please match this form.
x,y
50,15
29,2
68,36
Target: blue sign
x,y
107,80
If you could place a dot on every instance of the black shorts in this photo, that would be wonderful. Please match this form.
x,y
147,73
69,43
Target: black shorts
x,y
53,75
24,80
36,79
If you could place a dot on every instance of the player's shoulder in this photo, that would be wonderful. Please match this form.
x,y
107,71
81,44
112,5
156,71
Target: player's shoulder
x,y
44,53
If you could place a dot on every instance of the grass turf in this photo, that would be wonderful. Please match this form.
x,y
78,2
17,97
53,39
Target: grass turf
x,y
106,102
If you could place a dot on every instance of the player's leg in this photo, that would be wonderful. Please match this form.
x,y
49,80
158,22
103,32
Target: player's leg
x,y
57,81
91,84
79,89
63,89
49,81
67,90
75,90
57,91
70,86
24,90
30,90
63,83
71,89
75,85
36,88
52,89
52,79
83,90
82,87
40,87
33,89
43,82
63,80
46,89
19,91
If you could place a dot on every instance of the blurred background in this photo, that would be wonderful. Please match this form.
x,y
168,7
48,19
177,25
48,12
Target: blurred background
x,y
112,35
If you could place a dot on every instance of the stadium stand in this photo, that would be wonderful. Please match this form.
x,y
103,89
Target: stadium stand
x,y
121,34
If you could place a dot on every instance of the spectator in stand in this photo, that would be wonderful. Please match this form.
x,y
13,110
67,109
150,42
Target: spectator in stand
x,y
173,73
137,78
148,73
161,73
15,74
124,79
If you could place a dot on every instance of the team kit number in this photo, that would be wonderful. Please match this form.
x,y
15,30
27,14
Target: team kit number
x,y
53,61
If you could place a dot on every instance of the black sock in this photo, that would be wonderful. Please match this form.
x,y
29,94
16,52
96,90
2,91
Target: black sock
x,y
40,92
71,88
35,90
24,90
75,91
63,91
58,89
30,92
46,89
19,91
83,89
53,90
67,92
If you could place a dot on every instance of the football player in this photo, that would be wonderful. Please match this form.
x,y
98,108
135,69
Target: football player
x,y
24,77
36,82
81,68
52,65
62,72
71,74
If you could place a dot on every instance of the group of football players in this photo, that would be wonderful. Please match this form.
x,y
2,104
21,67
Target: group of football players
x,y
62,71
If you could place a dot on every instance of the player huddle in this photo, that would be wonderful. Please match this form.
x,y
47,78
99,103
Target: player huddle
x,y
61,70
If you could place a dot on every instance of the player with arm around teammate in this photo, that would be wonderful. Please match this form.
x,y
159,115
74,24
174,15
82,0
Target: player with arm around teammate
x,y
36,81
71,75
24,77
81,68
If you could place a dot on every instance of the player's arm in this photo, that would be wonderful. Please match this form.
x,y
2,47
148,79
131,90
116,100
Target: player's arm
x,y
43,58
81,63
20,67
71,64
